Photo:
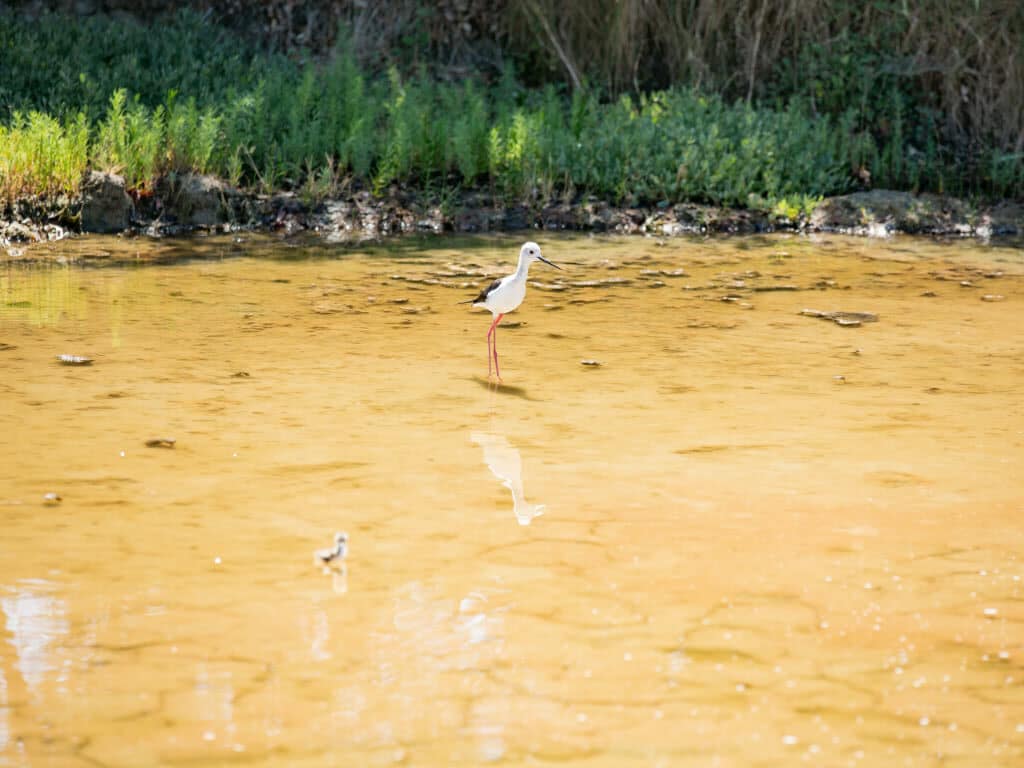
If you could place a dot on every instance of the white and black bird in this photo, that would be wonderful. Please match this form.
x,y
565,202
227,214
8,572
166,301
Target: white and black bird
x,y
504,295
338,552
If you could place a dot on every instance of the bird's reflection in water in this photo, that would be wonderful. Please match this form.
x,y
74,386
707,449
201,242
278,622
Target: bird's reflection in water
x,y
339,578
503,459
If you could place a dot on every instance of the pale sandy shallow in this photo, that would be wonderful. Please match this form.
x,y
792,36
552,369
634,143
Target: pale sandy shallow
x,y
708,550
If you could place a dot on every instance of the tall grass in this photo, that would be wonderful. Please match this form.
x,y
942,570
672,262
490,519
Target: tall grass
x,y
39,155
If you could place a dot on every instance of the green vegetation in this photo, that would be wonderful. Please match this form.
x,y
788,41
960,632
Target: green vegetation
x,y
41,156
186,95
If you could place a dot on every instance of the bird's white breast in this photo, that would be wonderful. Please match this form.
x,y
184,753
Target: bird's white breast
x,y
507,296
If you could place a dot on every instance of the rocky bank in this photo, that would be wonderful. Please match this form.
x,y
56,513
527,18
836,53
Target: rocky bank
x,y
187,203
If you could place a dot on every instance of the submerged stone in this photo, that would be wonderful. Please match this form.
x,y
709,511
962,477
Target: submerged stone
x,y
842,318
74,360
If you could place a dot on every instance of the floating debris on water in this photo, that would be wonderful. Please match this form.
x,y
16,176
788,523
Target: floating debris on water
x,y
993,297
766,288
240,375
52,499
842,318
591,363
74,360
161,442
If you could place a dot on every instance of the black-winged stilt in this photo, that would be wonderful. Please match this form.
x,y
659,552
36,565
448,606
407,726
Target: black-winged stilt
x,y
504,295
337,552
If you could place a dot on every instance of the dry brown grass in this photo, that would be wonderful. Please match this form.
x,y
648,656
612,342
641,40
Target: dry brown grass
x,y
969,56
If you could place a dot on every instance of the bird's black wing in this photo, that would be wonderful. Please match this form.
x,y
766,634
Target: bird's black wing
x,y
485,291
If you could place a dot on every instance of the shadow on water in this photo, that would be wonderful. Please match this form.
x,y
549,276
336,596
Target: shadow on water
x,y
504,460
502,389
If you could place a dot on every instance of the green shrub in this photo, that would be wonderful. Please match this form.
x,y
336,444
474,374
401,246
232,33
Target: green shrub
x,y
185,95
39,155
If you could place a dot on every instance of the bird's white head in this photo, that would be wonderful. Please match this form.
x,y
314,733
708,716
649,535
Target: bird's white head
x,y
529,253
341,537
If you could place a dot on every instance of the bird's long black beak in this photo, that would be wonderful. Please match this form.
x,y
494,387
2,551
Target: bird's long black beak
x,y
548,262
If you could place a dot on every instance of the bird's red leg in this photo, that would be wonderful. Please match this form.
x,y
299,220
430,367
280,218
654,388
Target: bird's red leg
x,y
497,370
489,332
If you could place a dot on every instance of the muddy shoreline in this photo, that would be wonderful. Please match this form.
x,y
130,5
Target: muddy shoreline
x,y
191,204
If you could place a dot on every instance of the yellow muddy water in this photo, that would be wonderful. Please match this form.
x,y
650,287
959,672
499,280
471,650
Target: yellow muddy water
x,y
747,537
